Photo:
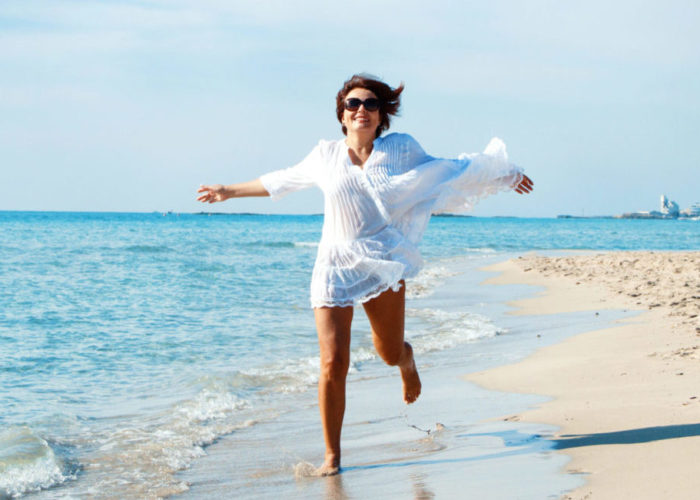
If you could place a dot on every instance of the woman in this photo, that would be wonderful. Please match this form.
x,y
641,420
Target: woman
x,y
379,193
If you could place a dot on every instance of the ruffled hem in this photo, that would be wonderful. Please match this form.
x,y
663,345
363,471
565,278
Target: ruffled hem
x,y
355,271
330,286
351,302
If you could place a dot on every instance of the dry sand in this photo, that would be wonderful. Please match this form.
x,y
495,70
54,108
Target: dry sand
x,y
627,398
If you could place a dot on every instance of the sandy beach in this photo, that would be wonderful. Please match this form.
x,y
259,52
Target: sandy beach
x,y
626,399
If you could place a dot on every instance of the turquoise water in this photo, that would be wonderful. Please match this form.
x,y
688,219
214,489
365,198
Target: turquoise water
x,y
129,341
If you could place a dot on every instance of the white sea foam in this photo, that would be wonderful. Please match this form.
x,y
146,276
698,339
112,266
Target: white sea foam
x,y
28,463
434,274
449,328
289,375
295,375
360,355
140,459
427,280
479,250
210,405
312,244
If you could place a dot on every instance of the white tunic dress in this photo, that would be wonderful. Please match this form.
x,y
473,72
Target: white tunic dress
x,y
375,216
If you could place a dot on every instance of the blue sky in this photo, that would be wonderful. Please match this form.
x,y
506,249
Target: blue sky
x,y
130,105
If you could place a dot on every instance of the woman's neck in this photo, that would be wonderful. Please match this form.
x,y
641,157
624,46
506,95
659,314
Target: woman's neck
x,y
359,148
360,143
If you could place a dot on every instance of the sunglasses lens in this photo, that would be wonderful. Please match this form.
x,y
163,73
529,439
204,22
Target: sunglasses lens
x,y
371,104
353,104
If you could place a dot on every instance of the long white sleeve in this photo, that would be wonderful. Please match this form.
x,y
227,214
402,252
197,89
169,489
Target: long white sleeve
x,y
478,175
300,176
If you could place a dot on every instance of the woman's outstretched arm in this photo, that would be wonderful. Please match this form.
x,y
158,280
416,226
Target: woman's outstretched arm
x,y
219,192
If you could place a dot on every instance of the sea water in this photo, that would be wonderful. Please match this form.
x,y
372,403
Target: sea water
x,y
130,342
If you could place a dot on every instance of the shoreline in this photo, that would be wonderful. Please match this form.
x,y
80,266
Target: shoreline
x,y
625,398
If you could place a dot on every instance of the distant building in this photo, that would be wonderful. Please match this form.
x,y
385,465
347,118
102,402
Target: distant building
x,y
692,211
668,207
668,210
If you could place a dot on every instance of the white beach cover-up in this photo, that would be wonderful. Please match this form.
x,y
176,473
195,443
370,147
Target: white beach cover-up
x,y
375,216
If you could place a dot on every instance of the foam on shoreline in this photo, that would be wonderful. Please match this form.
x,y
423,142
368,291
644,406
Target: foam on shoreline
x,y
28,463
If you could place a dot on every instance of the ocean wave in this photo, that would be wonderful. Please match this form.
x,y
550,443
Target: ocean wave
x,y
287,376
290,375
449,329
297,375
427,280
140,458
436,272
29,464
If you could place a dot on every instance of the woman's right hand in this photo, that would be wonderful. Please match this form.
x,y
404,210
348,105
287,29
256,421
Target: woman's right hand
x,y
213,193
524,186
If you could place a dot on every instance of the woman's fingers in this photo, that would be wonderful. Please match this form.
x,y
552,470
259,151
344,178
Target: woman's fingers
x,y
205,190
524,186
210,195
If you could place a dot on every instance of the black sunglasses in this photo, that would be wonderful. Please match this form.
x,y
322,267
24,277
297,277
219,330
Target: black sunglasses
x,y
370,104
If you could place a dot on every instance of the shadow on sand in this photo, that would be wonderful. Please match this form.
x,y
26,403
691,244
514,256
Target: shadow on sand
x,y
523,443
631,436
535,443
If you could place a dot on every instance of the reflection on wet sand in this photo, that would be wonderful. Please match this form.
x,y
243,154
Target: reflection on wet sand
x,y
420,489
334,489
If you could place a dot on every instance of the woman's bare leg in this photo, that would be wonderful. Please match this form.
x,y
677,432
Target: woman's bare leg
x,y
386,316
333,327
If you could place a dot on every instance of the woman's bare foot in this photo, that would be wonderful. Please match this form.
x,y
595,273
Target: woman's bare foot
x,y
411,380
330,467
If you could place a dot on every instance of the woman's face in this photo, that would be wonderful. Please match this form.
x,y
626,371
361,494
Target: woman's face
x,y
361,120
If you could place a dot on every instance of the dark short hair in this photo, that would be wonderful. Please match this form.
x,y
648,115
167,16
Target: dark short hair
x,y
389,99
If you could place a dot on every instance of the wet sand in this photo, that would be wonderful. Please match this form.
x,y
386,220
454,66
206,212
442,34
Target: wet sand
x,y
626,399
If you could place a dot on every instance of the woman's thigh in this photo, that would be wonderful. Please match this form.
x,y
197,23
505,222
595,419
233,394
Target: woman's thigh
x,y
386,317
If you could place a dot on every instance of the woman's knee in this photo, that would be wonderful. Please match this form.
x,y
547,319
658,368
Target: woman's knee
x,y
391,355
335,366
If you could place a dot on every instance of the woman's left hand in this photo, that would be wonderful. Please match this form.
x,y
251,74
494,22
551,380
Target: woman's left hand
x,y
524,186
